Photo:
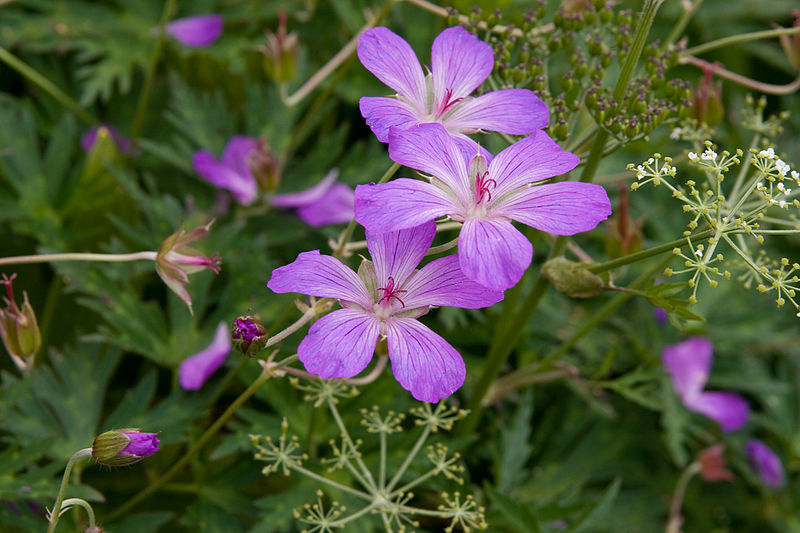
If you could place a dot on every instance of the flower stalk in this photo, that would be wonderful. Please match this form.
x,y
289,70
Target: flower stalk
x,y
55,513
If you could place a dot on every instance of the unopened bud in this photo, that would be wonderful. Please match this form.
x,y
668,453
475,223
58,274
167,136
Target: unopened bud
x,y
708,100
712,464
122,447
572,278
248,335
19,328
280,52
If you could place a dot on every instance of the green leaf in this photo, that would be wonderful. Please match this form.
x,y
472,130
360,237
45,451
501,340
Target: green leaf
x,y
588,519
515,446
517,516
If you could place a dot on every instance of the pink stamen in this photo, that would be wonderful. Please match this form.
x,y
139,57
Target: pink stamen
x,y
390,291
7,282
482,185
446,103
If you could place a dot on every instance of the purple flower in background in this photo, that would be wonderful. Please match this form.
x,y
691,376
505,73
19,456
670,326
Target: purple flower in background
x,y
385,298
196,31
689,364
195,370
90,137
485,199
327,202
660,315
459,64
765,463
233,171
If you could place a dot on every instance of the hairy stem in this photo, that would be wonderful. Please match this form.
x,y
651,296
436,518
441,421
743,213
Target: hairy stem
x,y
56,511
741,38
81,503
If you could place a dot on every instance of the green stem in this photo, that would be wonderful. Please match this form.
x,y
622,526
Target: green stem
x,y
46,85
56,512
153,487
88,508
382,467
677,30
367,480
737,185
105,258
326,481
741,38
442,248
645,254
411,455
144,97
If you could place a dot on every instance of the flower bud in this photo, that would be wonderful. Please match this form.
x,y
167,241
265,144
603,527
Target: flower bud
x,y
175,261
265,166
623,234
122,447
712,464
249,336
708,100
280,52
572,278
19,328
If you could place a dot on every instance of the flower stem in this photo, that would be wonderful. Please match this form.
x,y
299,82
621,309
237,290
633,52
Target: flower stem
x,y
367,480
308,315
645,254
744,81
675,519
677,30
46,85
265,375
442,248
56,512
81,503
105,258
330,482
144,96
741,38
411,455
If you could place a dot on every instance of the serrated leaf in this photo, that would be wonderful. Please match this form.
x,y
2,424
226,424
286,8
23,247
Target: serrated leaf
x,y
588,519
517,516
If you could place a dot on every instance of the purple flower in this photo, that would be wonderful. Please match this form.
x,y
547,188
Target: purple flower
x,y
141,444
689,364
765,463
325,203
122,447
660,315
249,335
459,64
195,370
385,298
90,137
486,200
233,171
197,31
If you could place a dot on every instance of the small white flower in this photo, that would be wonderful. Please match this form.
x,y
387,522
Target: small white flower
x,y
693,157
760,186
781,167
768,153
780,186
782,203
676,134
709,155
698,253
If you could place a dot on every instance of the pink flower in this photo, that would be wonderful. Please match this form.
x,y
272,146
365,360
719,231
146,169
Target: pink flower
x,y
233,170
385,298
197,31
689,363
485,198
195,370
325,203
459,64
764,461
123,447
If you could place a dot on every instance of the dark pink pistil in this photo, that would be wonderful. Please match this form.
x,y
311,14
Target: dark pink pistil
x,y
446,103
391,291
482,185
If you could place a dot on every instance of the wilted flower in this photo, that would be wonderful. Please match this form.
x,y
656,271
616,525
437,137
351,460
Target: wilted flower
x,y
459,64
708,99
485,196
764,461
385,298
327,202
195,370
197,31
689,365
280,52
712,464
248,335
122,447
175,261
234,170
90,137
18,327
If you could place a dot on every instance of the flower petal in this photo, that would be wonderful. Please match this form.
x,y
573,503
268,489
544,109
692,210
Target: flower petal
x,y
424,363
727,408
764,461
563,208
390,58
198,31
384,113
320,275
430,149
459,64
237,154
335,207
536,157
90,137
493,253
308,196
397,253
399,204
688,363
512,111
442,282
340,344
243,187
195,370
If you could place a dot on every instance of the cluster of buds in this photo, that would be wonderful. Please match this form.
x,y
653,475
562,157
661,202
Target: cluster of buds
x,y
19,328
248,335
123,447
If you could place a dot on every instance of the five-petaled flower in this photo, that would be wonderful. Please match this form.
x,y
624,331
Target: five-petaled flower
x,y
764,461
459,64
197,31
385,298
325,203
485,198
689,364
